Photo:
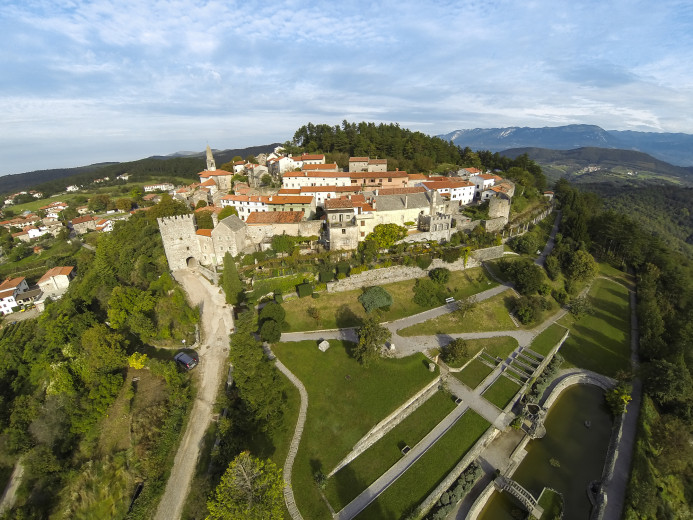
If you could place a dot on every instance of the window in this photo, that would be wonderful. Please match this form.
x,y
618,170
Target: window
x,y
389,180
343,231
363,233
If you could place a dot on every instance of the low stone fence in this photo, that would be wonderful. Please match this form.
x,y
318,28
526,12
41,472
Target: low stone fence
x,y
400,273
470,456
582,377
383,427
609,466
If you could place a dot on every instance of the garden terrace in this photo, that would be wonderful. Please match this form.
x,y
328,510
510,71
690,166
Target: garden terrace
x,y
474,373
345,401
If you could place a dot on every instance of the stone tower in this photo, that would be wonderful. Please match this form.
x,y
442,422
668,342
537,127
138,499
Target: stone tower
x,y
211,166
180,240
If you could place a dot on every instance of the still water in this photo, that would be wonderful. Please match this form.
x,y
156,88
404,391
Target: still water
x,y
579,450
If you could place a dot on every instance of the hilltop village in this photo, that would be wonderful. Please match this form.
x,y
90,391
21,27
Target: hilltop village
x,y
339,208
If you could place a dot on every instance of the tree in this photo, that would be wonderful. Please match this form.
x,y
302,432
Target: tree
x,y
528,276
257,379
552,266
314,313
526,244
250,489
168,207
100,203
272,311
124,204
372,337
270,331
618,398
103,352
466,305
266,180
440,275
251,159
227,212
204,220
581,266
136,193
201,204
282,243
375,298
455,351
231,282
385,235
580,307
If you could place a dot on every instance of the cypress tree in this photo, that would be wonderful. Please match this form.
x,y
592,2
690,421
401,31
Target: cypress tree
x,y
231,282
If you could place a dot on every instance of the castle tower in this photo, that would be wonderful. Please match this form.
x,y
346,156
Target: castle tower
x,y
211,166
180,240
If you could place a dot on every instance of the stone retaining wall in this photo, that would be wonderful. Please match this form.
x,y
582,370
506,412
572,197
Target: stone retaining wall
x,y
480,502
383,427
400,273
470,456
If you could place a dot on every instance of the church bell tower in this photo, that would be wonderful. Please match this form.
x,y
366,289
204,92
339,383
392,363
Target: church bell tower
x,y
210,160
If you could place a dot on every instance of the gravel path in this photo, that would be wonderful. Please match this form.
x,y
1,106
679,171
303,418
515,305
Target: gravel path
x,y
10,494
295,441
216,320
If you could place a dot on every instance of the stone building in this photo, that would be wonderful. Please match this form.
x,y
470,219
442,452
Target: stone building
x,y
185,245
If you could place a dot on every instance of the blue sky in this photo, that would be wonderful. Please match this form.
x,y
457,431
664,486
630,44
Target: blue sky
x,y
115,80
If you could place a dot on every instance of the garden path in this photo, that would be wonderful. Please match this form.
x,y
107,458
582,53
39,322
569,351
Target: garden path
x,y
550,242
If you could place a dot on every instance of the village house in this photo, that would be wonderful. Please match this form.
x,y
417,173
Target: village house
x,y
247,204
83,224
162,186
54,284
458,191
10,290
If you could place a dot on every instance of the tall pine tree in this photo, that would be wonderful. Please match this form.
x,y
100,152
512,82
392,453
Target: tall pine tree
x,y
231,282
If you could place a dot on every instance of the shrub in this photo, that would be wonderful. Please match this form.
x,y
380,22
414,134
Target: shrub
x,y
315,295
526,244
278,297
545,289
320,287
326,276
375,298
341,276
424,262
440,275
304,289
451,255
455,351
343,268
427,293
560,296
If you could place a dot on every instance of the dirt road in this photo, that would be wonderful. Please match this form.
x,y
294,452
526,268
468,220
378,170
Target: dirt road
x,y
217,321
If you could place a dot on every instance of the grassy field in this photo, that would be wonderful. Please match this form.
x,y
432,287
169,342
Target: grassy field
x,y
601,341
552,504
339,310
345,401
350,481
501,392
402,497
473,374
489,315
547,339
500,347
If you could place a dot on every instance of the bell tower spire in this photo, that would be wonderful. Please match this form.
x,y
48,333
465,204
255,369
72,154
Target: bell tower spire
x,y
211,166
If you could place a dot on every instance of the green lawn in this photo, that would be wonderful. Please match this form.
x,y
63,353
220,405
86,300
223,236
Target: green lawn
x,y
473,374
351,480
501,392
547,339
409,490
488,315
500,347
339,310
601,341
552,504
345,401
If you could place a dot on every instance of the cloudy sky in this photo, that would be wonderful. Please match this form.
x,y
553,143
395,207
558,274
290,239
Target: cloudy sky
x,y
115,80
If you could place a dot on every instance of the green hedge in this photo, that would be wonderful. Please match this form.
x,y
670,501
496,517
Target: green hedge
x,y
304,289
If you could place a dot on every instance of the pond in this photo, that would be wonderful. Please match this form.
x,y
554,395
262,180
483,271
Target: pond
x,y
577,452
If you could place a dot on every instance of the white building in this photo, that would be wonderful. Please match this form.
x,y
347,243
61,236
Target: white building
x,y
72,187
458,191
164,186
10,289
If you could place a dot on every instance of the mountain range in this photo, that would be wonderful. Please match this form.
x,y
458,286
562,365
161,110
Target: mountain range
x,y
674,148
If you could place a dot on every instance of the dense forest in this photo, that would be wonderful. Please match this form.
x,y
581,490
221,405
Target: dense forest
x,y
61,373
661,482
664,209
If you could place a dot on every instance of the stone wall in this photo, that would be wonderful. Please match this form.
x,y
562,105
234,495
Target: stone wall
x,y
480,502
470,456
400,273
383,427
307,228
425,236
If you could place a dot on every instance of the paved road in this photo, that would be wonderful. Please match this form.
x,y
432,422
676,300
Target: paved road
x,y
217,321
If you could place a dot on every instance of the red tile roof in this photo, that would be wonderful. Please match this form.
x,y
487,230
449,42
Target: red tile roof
x,y
56,271
289,199
79,220
367,175
358,159
401,191
377,161
204,232
318,167
214,173
449,185
338,204
11,283
274,217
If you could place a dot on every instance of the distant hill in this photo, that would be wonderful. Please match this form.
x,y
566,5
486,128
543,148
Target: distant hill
x,y
592,164
670,147
180,163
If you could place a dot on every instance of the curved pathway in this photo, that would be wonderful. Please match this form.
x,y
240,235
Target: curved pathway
x,y
295,441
